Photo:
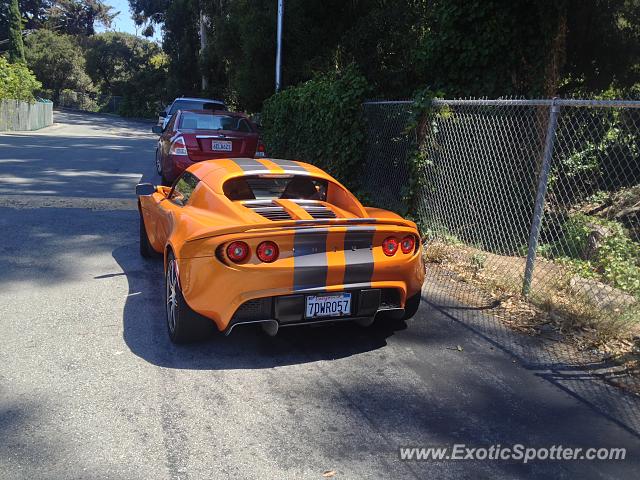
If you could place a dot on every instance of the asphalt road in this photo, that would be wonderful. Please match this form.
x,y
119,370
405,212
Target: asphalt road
x,y
90,386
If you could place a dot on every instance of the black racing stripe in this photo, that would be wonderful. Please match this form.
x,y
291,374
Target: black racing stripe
x,y
289,165
358,256
353,229
310,259
339,221
250,165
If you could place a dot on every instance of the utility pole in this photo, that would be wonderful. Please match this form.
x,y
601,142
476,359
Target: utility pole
x,y
203,46
279,44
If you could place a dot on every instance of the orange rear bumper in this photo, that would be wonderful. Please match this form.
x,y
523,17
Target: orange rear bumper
x,y
333,259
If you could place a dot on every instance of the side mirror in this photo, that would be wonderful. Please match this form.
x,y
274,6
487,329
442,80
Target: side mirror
x,y
145,189
157,129
162,113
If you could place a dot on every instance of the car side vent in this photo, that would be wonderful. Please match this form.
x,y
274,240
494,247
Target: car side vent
x,y
319,211
268,210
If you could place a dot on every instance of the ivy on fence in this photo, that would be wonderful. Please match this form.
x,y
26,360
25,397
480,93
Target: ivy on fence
x,y
320,122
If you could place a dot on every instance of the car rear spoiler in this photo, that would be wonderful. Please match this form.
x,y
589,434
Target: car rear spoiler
x,y
283,224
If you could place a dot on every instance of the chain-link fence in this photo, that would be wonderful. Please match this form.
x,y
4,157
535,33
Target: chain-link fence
x,y
530,210
16,115
87,102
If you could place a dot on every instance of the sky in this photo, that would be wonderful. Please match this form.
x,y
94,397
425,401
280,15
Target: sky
x,y
123,22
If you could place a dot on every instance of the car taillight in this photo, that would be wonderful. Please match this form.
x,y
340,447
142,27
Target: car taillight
x,y
408,244
178,147
267,252
237,251
390,246
260,150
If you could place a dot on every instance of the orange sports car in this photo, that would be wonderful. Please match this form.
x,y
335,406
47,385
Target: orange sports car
x,y
275,242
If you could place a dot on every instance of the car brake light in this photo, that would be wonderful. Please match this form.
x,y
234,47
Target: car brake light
x,y
268,252
178,147
237,251
390,246
260,150
408,244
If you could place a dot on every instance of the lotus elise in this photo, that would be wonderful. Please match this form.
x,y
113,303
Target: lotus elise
x,y
277,243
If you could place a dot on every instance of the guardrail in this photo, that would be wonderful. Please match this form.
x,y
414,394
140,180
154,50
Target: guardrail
x,y
16,115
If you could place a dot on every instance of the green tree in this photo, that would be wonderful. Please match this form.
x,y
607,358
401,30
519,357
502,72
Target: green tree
x,y
113,59
79,17
499,48
17,82
181,43
4,20
35,12
16,47
129,66
491,48
57,61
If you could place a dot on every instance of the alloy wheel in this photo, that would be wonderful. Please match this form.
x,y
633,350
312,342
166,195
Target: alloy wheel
x,y
172,292
158,164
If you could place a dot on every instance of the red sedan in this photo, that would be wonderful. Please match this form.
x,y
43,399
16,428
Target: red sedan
x,y
196,135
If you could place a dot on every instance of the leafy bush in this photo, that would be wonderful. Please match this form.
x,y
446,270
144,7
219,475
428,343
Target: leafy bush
x,y
17,81
320,122
615,260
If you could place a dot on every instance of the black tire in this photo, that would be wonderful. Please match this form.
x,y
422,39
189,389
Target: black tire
x,y
146,250
183,324
411,306
158,164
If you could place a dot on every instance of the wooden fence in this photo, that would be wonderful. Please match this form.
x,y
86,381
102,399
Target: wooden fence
x,y
16,115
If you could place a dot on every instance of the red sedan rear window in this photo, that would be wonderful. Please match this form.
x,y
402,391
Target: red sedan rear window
x,y
204,121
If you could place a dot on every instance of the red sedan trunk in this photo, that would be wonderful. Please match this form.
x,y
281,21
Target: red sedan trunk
x,y
209,144
196,135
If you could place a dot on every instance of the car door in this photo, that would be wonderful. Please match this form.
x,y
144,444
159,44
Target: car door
x,y
170,209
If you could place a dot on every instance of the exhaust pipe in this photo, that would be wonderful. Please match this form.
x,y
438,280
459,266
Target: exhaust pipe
x,y
270,327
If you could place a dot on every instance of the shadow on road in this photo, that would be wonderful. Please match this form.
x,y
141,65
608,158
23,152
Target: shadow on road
x,y
84,156
101,121
578,374
247,347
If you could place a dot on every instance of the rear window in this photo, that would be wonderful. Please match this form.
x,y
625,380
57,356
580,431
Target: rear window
x,y
204,121
294,187
194,105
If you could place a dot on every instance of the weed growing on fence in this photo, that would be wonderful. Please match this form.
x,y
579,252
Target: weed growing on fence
x,y
598,248
559,294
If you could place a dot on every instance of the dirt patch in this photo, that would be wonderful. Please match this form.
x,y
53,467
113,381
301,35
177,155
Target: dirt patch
x,y
582,320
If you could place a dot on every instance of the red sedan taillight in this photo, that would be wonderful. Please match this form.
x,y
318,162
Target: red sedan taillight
x,y
178,147
408,244
237,251
268,252
260,150
390,246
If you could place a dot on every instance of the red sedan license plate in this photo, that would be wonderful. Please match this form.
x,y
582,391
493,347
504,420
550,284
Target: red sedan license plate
x,y
334,305
221,146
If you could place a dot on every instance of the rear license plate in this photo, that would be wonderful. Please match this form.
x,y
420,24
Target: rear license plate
x,y
221,146
336,305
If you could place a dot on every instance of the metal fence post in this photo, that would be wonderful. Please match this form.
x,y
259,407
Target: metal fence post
x,y
538,210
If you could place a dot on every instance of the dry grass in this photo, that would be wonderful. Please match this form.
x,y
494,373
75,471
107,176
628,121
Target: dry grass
x,y
577,309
